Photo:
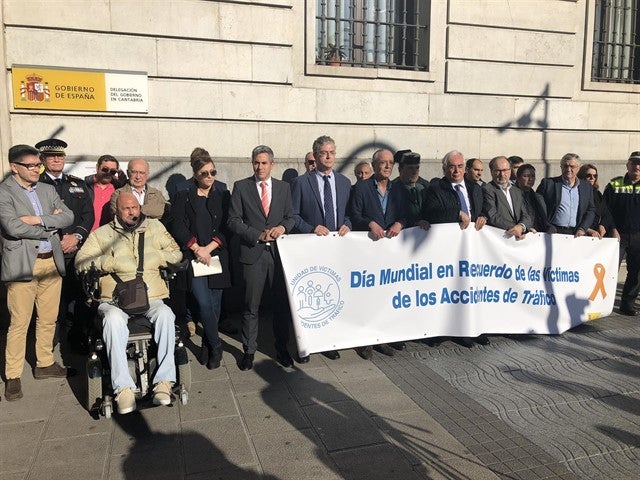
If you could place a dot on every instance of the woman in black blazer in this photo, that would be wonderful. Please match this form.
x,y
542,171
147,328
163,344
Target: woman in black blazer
x,y
603,224
198,215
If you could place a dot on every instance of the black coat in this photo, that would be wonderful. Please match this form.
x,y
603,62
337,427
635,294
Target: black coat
x,y
189,221
442,205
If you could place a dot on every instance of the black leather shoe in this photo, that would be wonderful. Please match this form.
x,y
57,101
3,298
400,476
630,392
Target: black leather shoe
x,y
464,342
627,310
284,359
12,389
366,352
214,359
482,340
399,345
304,359
386,349
332,354
432,342
246,363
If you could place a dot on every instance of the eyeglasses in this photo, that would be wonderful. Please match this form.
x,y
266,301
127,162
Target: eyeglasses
x,y
591,175
111,171
208,173
504,170
30,166
311,162
326,154
137,172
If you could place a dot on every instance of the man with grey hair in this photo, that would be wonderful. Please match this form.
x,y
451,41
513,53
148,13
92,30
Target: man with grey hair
x,y
151,199
504,204
452,198
380,208
261,211
569,201
362,171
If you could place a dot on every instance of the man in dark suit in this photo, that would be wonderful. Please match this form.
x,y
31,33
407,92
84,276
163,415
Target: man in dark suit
x,y
454,199
32,264
260,212
320,199
570,207
379,207
504,203
75,195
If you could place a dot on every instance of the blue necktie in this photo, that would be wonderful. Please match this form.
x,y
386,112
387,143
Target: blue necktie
x,y
463,204
329,215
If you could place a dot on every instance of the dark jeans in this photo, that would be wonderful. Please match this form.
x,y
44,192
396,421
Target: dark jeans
x,y
209,301
630,245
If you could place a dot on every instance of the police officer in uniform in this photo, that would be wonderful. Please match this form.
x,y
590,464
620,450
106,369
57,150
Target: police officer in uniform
x,y
622,196
73,192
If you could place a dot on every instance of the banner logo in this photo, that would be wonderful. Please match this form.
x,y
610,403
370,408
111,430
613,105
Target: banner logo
x,y
316,292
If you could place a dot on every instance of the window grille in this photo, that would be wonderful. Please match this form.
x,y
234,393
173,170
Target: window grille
x,y
616,42
373,33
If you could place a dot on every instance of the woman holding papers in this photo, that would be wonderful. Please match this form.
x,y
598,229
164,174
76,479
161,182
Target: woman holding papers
x,y
198,214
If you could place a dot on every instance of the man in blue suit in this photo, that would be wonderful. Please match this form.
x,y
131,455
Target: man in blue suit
x,y
569,201
320,199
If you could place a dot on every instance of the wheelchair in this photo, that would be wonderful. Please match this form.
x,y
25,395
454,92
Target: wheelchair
x,y
140,351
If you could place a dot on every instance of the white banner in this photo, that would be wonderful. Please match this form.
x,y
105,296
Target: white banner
x,y
352,291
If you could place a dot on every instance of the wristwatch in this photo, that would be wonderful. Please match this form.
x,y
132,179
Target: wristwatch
x,y
78,236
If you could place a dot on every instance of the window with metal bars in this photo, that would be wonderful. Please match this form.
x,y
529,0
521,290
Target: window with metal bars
x,y
373,33
616,42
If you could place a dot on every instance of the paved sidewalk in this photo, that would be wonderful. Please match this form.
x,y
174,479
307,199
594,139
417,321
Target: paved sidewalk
x,y
323,420
526,407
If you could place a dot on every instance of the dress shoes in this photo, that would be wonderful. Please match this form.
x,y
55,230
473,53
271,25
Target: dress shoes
x,y
433,341
214,359
304,359
366,352
12,389
482,340
284,359
464,342
628,310
386,349
52,371
332,354
246,363
399,345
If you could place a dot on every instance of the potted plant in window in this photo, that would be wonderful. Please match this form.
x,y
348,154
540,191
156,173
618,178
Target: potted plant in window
x,y
334,54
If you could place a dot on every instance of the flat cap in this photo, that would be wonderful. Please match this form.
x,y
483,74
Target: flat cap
x,y
406,157
635,156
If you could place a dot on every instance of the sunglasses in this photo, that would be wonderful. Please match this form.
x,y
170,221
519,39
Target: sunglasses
x,y
311,162
591,175
208,173
111,171
30,166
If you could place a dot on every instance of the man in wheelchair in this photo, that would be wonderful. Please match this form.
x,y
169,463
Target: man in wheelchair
x,y
115,249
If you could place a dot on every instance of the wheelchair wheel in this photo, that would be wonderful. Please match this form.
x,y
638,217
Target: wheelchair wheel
x,y
94,383
184,395
107,406
184,378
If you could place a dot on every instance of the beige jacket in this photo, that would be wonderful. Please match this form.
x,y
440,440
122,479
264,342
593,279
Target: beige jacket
x,y
115,250
154,201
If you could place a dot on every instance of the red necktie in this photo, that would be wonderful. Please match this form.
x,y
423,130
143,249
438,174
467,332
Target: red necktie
x,y
264,198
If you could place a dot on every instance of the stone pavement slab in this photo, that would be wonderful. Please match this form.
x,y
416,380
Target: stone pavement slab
x,y
525,407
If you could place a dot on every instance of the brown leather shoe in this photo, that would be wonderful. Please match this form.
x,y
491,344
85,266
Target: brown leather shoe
x,y
52,371
12,389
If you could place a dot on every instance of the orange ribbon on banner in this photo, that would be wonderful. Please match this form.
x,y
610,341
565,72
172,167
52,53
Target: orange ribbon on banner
x,y
598,271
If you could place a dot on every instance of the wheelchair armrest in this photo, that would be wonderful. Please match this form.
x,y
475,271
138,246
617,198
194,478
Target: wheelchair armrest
x,y
171,270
